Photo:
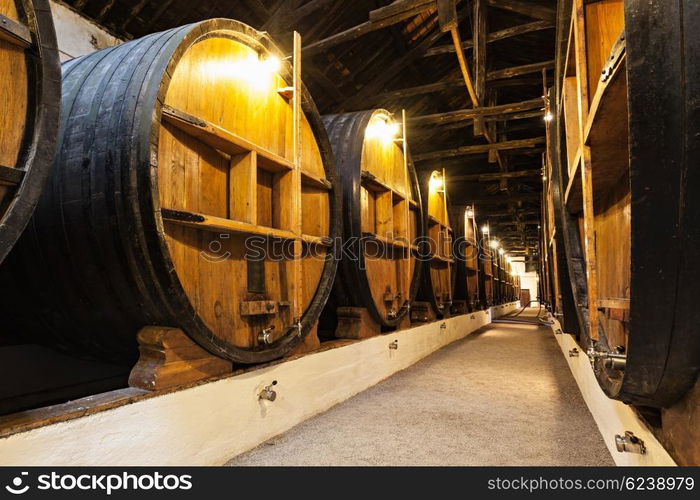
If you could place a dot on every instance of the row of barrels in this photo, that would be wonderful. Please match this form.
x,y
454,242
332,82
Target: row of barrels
x,y
623,221
185,192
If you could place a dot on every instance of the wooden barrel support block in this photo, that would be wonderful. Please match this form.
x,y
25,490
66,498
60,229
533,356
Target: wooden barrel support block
x,y
355,323
188,191
422,312
30,88
169,358
381,218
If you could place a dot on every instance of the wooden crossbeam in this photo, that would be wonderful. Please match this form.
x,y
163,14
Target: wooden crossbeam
x,y
498,200
469,114
495,176
520,70
530,8
361,98
378,19
518,30
480,148
479,31
492,77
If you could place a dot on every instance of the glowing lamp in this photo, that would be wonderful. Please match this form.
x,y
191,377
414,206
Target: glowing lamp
x,y
548,117
436,183
485,230
501,251
470,213
383,128
257,72
494,244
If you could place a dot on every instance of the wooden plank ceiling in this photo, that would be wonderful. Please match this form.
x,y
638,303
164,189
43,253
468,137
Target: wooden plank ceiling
x,y
401,54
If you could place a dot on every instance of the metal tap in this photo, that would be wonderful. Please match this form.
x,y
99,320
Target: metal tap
x,y
629,443
265,336
611,360
268,393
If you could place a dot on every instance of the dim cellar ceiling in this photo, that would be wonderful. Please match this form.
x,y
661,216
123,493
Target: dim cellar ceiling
x,y
401,55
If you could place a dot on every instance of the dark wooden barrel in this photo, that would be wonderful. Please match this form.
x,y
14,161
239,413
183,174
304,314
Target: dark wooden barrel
x,y
437,250
30,88
382,218
467,257
176,200
641,218
487,269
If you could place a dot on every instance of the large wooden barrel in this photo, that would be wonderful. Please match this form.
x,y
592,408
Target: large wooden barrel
x,y
437,249
177,200
30,87
634,189
381,215
467,257
487,269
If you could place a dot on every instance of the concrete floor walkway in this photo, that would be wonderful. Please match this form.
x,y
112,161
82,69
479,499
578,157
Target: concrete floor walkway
x,y
502,396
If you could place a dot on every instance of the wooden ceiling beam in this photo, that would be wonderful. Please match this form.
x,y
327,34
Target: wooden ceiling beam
x,y
530,8
520,70
479,31
378,19
492,76
470,113
360,99
480,148
498,200
516,174
518,30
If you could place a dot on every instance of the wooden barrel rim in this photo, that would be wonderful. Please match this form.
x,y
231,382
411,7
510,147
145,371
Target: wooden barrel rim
x,y
40,139
356,283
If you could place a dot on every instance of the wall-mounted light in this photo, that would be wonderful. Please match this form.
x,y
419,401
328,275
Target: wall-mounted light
x,y
494,244
548,117
382,127
501,251
436,182
470,213
485,229
253,69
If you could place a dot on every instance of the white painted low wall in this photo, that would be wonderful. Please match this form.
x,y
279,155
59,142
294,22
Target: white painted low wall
x,y
211,423
611,416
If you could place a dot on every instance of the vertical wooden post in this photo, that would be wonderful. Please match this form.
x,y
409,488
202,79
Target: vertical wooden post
x,y
479,38
296,180
579,32
404,273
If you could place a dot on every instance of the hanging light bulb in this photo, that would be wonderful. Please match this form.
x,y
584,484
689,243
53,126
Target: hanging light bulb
x,y
494,244
548,117
470,212
485,229
501,251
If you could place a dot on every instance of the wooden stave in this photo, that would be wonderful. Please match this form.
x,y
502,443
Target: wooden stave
x,y
426,291
663,351
41,134
351,288
150,288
